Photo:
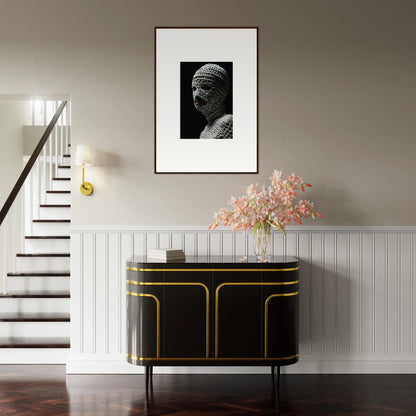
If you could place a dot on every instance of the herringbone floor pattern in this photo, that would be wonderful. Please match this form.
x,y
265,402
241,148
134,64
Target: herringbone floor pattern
x,y
46,391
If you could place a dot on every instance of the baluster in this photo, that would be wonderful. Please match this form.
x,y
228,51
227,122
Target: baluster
x,y
69,122
59,123
43,174
36,201
50,162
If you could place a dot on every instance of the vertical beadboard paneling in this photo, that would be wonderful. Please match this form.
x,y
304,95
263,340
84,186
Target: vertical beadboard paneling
x,y
413,291
405,300
178,241
115,285
367,294
228,244
357,289
101,290
330,290
304,295
126,251
203,244
291,242
215,244
190,244
88,289
380,304
355,292
393,330
241,248
152,241
139,241
317,295
342,294
164,240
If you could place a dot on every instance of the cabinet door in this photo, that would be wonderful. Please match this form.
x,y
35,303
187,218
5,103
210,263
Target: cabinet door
x,y
186,314
280,314
237,314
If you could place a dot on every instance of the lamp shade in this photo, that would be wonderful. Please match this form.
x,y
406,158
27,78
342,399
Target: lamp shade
x,y
83,155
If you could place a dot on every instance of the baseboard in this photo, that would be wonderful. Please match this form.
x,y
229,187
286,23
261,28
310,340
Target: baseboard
x,y
115,364
34,355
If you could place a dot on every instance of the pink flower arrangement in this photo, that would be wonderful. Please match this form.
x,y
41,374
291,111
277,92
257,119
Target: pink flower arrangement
x,y
265,207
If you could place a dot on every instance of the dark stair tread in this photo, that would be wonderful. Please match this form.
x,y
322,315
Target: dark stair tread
x,y
36,294
55,206
64,167
43,255
58,192
47,221
34,317
39,342
47,237
40,274
61,179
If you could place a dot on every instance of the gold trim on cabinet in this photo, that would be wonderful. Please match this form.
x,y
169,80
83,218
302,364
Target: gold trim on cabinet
x,y
245,284
148,295
134,269
131,282
266,318
213,359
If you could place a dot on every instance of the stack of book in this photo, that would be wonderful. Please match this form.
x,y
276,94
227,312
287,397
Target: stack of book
x,y
166,254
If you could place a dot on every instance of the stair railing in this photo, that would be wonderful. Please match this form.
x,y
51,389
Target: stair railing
x,y
20,208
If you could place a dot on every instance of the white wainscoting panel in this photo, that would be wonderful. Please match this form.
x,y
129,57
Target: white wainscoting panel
x,y
357,294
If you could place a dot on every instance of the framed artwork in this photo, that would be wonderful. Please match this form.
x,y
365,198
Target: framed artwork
x,y
206,103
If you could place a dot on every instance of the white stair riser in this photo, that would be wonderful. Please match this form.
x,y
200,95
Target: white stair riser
x,y
35,305
34,329
61,186
38,283
46,246
66,161
58,198
50,228
55,213
64,173
42,264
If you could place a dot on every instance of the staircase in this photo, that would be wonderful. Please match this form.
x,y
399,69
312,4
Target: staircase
x,y
34,310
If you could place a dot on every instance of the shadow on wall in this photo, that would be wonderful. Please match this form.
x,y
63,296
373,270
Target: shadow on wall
x,y
337,206
325,313
105,170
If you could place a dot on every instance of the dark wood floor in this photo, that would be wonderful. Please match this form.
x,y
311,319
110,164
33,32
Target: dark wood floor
x,y
46,390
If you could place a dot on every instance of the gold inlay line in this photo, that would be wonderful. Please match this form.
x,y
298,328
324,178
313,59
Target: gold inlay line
x,y
148,295
134,269
266,318
131,282
244,284
213,359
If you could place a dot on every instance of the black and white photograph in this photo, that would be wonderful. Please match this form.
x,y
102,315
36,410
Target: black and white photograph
x,y
206,100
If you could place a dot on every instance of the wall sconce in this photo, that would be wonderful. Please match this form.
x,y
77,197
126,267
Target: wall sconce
x,y
83,158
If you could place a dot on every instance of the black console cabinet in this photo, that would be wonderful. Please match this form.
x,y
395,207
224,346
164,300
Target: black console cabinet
x,y
212,312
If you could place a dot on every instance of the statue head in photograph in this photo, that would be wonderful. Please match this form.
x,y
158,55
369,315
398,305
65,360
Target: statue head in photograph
x,y
210,87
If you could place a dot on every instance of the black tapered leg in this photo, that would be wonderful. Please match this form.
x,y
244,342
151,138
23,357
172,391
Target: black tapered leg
x,y
278,381
272,370
147,376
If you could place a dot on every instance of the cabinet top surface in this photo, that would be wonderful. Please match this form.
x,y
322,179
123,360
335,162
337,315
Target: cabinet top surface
x,y
283,261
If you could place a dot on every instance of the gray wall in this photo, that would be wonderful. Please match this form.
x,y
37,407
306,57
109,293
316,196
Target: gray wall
x,y
13,115
336,101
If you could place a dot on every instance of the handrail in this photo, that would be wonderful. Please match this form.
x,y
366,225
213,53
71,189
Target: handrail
x,y
25,172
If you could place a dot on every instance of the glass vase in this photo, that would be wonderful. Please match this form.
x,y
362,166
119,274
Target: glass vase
x,y
262,239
